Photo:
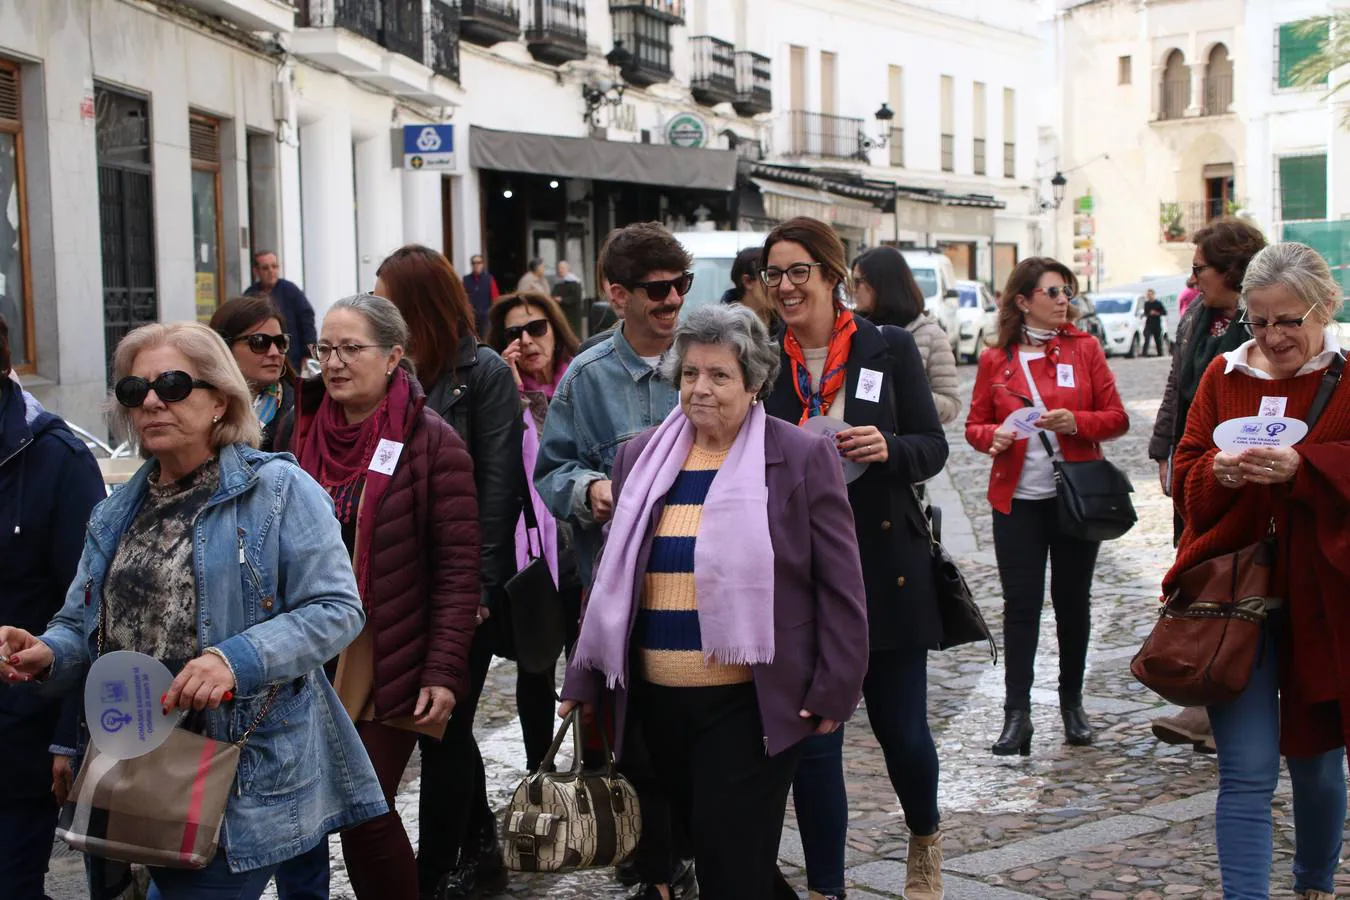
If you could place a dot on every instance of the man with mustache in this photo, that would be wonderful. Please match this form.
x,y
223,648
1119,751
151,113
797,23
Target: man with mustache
x,y
610,394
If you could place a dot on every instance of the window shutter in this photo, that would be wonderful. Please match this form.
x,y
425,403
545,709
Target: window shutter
x,y
1303,187
1295,48
9,93
204,140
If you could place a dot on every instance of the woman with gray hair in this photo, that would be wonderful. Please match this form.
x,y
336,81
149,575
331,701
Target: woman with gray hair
x,y
731,582
1297,701
403,493
224,563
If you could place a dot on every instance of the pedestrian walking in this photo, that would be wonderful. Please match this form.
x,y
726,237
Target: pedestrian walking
x,y
611,393
531,333
742,618
1155,318
1296,701
296,311
1222,251
748,290
254,330
244,616
402,486
49,483
884,290
535,280
469,386
1041,360
871,381
482,290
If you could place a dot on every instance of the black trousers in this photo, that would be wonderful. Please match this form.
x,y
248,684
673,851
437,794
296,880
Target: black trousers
x,y
1023,539
707,745
1153,332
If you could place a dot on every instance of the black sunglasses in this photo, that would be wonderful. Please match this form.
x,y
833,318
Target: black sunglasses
x,y
259,343
535,328
169,387
660,290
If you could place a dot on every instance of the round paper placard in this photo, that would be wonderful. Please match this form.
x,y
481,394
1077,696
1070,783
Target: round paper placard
x,y
1023,423
1236,435
830,427
121,704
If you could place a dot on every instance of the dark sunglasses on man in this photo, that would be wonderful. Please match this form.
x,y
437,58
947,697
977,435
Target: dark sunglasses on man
x,y
660,290
170,387
535,328
259,343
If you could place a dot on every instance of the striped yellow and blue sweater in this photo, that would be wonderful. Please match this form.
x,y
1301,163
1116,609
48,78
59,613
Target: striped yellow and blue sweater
x,y
667,635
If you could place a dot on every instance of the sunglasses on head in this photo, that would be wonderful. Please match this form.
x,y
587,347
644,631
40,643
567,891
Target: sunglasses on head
x,y
660,290
259,343
168,386
535,328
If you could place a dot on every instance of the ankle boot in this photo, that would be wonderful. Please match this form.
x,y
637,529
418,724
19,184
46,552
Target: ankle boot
x,y
923,869
1016,736
481,871
1077,731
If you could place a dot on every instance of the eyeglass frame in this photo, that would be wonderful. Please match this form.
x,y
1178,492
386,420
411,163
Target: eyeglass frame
x,y
514,332
281,341
322,352
764,275
194,384
1281,324
686,278
1068,292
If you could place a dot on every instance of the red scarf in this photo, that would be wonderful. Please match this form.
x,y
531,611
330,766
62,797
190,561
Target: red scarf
x,y
832,376
337,455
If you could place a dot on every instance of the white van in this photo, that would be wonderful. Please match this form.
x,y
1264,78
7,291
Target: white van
x,y
1121,310
714,252
937,282
977,318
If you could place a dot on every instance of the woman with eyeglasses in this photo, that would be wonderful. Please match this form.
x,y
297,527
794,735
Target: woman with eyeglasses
x,y
402,488
253,329
469,386
531,333
868,382
224,563
1041,360
1297,700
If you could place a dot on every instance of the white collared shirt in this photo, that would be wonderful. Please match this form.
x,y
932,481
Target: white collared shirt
x,y
1237,359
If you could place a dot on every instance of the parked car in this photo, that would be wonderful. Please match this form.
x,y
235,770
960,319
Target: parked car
x,y
976,317
1121,310
937,281
1087,318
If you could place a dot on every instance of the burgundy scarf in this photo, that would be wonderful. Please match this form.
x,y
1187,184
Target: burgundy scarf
x,y
337,455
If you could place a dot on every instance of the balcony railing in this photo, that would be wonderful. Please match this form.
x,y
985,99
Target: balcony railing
x,y
670,11
981,164
754,83
393,24
1218,93
824,136
897,147
647,37
488,22
948,153
1176,97
443,40
1180,220
714,79
556,30
401,28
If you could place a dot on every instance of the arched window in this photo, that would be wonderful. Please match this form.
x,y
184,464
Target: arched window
x,y
1218,82
1176,86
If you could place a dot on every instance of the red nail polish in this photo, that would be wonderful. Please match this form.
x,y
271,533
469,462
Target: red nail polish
x,y
14,660
163,698
164,710
229,695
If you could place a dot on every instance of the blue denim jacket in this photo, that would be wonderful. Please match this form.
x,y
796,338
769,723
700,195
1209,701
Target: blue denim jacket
x,y
609,395
276,595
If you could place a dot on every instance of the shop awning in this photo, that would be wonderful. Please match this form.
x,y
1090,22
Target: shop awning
x,y
785,201
543,154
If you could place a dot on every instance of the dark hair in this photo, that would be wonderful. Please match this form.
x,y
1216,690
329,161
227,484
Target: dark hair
x,y
428,292
1022,283
4,348
242,314
821,241
536,262
899,300
746,265
634,251
1228,245
565,339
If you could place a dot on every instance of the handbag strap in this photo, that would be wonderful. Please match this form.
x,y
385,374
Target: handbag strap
x,y
531,520
1325,390
573,724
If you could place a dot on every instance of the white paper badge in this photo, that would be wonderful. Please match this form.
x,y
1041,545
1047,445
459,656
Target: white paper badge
x,y
1273,406
1064,373
1024,422
386,456
1237,435
830,427
869,385
122,707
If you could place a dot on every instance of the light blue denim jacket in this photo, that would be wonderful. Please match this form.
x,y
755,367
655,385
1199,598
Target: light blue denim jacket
x,y
276,595
608,395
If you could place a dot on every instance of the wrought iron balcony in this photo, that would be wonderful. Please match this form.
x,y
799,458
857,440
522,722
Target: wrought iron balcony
x,y
669,11
556,30
754,83
401,28
714,79
443,40
488,22
647,38
1179,220
824,136
393,24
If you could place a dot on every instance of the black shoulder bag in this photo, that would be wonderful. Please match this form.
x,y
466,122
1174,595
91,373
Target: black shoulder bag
x,y
536,615
1094,496
962,621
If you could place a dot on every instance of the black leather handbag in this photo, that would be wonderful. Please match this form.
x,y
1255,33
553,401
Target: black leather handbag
x,y
962,621
1094,497
538,629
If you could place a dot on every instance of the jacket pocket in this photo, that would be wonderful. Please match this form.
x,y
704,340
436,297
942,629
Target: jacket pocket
x,y
281,756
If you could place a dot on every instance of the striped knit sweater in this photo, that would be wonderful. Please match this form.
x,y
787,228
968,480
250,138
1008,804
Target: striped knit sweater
x,y
667,633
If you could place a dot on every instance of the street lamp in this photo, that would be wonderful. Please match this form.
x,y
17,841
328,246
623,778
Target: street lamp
x,y
884,115
1057,185
599,90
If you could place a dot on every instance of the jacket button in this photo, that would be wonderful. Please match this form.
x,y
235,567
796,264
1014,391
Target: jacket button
x,y
900,582
885,525
267,603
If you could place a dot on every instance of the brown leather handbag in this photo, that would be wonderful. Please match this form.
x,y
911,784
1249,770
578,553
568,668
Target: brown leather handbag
x,y
1203,646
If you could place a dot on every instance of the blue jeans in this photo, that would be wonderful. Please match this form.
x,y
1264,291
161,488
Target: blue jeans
x,y
1247,735
896,691
306,876
215,882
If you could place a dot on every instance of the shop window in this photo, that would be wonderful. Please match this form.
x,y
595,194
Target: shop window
x,y
16,301
1302,187
1295,43
207,225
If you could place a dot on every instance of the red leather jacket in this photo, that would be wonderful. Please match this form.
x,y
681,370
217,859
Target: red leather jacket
x,y
1001,387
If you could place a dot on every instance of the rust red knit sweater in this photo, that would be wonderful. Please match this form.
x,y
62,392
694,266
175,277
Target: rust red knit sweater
x,y
1314,683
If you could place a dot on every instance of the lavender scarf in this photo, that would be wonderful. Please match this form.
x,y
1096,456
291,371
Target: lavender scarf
x,y
733,554
548,528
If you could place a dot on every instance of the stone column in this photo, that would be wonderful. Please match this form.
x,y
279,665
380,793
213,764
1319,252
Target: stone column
x,y
326,200
379,207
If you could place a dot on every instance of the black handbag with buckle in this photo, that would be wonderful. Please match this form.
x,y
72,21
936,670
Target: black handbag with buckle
x,y
962,621
537,626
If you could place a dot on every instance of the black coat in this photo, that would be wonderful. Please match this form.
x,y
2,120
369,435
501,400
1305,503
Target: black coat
x,y
902,610
49,484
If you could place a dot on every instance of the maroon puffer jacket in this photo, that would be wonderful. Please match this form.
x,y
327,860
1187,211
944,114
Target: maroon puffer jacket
x,y
424,561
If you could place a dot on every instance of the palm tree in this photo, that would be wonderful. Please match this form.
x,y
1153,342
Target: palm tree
x,y
1333,52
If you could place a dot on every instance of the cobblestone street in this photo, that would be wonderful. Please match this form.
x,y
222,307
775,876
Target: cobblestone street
x,y
1128,817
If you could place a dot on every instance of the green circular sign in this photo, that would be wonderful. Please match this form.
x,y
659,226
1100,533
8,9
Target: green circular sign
x,y
687,130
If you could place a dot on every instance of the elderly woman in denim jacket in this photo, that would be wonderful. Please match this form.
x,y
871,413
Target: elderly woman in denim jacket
x,y
276,599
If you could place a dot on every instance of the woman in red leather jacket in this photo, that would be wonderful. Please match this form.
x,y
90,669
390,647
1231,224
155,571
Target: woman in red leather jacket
x,y
1041,360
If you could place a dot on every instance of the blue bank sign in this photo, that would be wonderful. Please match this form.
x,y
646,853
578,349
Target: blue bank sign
x,y
428,146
